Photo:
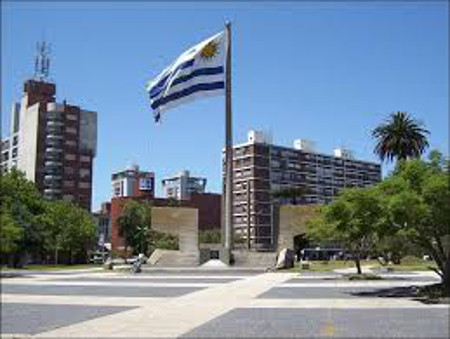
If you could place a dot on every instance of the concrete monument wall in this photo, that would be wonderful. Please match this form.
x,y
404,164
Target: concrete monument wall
x,y
292,222
178,221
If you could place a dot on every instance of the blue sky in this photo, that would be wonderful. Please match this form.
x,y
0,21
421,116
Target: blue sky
x,y
326,72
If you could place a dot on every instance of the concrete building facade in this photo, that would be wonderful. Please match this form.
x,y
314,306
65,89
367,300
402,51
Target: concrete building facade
x,y
103,219
54,144
182,185
262,168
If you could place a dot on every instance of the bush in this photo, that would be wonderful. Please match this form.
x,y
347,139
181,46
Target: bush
x,y
209,237
411,259
165,241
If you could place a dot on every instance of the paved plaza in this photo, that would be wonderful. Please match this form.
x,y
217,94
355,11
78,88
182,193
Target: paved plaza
x,y
216,303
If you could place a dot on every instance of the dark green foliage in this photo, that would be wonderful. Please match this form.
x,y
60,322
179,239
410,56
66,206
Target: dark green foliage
x,y
408,211
209,236
33,226
354,220
165,241
135,225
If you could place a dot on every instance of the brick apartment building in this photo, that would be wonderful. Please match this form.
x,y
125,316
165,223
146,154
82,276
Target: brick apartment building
x,y
54,144
262,168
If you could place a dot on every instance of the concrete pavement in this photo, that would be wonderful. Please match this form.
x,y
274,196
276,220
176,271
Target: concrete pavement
x,y
200,303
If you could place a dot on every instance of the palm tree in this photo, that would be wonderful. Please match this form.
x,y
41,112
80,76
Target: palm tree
x,y
400,137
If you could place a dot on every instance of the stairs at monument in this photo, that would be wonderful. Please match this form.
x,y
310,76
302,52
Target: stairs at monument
x,y
168,258
254,259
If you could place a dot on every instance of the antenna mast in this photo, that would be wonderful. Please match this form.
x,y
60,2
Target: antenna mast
x,y
42,61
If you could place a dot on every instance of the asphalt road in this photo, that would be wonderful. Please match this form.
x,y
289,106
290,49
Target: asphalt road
x,y
343,323
109,291
21,318
161,280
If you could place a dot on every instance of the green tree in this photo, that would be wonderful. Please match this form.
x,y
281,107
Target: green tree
x,y
135,226
68,227
418,194
400,137
353,220
10,232
21,204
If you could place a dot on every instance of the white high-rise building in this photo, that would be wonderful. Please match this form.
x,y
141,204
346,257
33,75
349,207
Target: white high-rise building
x,y
182,185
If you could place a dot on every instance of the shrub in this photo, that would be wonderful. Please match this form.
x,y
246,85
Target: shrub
x,y
209,237
165,241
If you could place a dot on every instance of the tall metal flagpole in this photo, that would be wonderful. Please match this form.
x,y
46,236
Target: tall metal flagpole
x,y
228,149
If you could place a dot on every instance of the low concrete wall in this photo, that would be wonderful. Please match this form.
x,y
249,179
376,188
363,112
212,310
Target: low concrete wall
x,y
292,222
178,221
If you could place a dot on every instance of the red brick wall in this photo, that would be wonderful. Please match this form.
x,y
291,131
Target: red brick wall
x,y
209,210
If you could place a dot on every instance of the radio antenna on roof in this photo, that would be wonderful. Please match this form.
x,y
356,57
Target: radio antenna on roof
x,y
42,61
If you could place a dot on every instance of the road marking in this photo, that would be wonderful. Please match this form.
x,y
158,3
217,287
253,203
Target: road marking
x,y
328,329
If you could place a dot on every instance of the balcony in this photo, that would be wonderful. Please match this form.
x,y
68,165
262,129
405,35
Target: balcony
x,y
53,135
53,149
50,191
52,163
52,177
56,123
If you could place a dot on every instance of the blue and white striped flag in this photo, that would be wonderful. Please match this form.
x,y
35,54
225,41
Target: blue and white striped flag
x,y
197,73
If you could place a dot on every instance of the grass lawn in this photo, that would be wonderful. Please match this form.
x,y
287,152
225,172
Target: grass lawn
x,y
53,267
406,265
329,266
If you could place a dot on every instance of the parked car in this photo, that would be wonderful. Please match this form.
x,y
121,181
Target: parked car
x,y
97,258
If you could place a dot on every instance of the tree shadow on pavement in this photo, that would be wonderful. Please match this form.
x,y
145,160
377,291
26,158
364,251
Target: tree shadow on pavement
x,y
416,293
392,292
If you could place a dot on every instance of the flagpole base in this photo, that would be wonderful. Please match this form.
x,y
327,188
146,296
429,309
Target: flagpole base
x,y
226,256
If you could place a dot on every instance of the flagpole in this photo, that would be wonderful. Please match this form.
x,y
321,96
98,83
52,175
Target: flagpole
x,y
228,149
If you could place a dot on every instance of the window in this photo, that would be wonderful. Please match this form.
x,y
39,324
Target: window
x,y
69,183
85,158
69,170
5,156
84,185
71,143
84,172
68,197
72,117
70,157
71,130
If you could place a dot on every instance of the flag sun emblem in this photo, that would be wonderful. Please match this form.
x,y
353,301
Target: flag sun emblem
x,y
210,50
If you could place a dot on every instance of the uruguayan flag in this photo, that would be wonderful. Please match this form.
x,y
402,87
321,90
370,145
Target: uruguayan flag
x,y
197,73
